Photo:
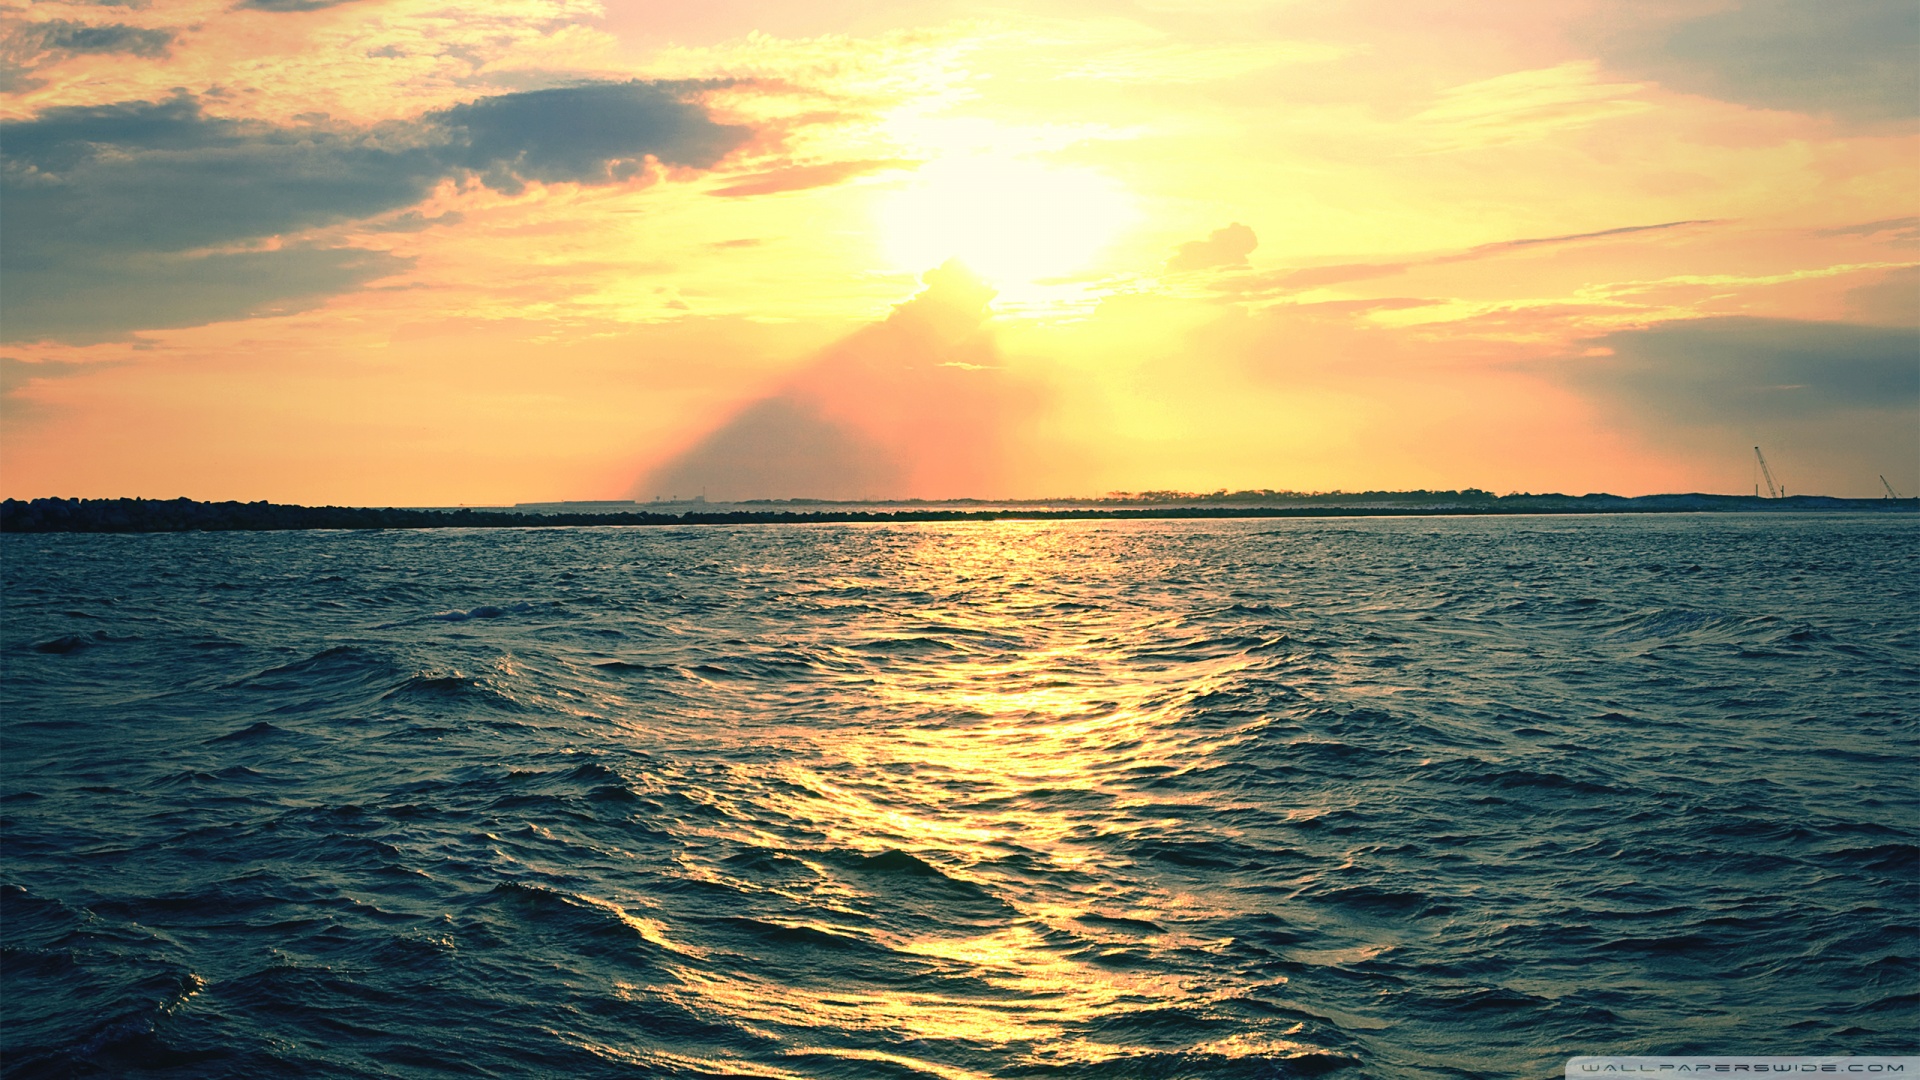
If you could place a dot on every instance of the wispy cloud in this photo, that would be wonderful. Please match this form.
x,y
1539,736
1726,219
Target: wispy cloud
x,y
20,408
805,177
1524,106
1341,273
1900,228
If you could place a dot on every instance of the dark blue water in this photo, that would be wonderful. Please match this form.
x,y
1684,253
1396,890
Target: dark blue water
x,y
1390,798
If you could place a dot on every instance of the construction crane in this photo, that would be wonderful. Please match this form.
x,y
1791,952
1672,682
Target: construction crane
x,y
1773,491
1891,494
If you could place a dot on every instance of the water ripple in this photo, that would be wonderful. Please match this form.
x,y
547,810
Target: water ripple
x,y
1388,798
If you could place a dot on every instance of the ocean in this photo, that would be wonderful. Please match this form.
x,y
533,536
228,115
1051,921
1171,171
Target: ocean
x,y
1382,798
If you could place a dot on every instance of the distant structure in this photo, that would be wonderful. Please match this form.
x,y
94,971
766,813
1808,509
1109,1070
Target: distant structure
x,y
1891,494
576,506
1773,491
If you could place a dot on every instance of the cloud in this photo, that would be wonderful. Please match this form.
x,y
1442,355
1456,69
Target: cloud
x,y
16,373
591,134
115,204
1898,229
22,410
165,177
1501,245
84,302
1854,60
1318,276
805,177
60,35
414,221
290,6
1736,370
1222,247
1523,106
1894,300
920,405
1833,403
29,46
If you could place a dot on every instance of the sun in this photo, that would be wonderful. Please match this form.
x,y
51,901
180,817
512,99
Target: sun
x,y
1014,222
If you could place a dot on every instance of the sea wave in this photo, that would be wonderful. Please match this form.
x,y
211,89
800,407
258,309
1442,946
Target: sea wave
x,y
1398,798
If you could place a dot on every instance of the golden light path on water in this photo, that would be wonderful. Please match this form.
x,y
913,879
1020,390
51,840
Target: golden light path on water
x,y
1009,768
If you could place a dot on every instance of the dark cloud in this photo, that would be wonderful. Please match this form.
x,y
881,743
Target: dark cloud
x,y
165,177
591,134
1740,370
15,79
26,47
108,201
82,302
1222,247
16,373
1854,59
290,5
60,35
1834,403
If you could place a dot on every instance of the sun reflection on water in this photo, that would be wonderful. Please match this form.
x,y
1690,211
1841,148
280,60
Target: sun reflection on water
x,y
1021,732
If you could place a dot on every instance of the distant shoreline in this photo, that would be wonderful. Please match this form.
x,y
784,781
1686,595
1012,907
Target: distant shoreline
x,y
187,515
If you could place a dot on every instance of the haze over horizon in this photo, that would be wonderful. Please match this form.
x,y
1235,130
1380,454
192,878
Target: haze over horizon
x,y
383,252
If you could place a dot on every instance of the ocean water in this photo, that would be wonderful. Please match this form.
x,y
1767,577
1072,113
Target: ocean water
x,y
1401,798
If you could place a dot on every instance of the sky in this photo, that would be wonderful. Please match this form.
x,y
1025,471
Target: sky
x,y
410,252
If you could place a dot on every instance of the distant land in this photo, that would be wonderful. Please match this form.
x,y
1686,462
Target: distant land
x,y
187,515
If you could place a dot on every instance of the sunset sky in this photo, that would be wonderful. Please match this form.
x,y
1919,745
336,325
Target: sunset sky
x,y
411,252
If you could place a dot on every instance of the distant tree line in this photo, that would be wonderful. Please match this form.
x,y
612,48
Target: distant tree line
x,y
1271,496
188,515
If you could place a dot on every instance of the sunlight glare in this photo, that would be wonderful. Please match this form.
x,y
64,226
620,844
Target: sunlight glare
x,y
1013,222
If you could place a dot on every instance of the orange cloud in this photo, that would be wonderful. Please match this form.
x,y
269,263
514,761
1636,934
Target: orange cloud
x,y
804,177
